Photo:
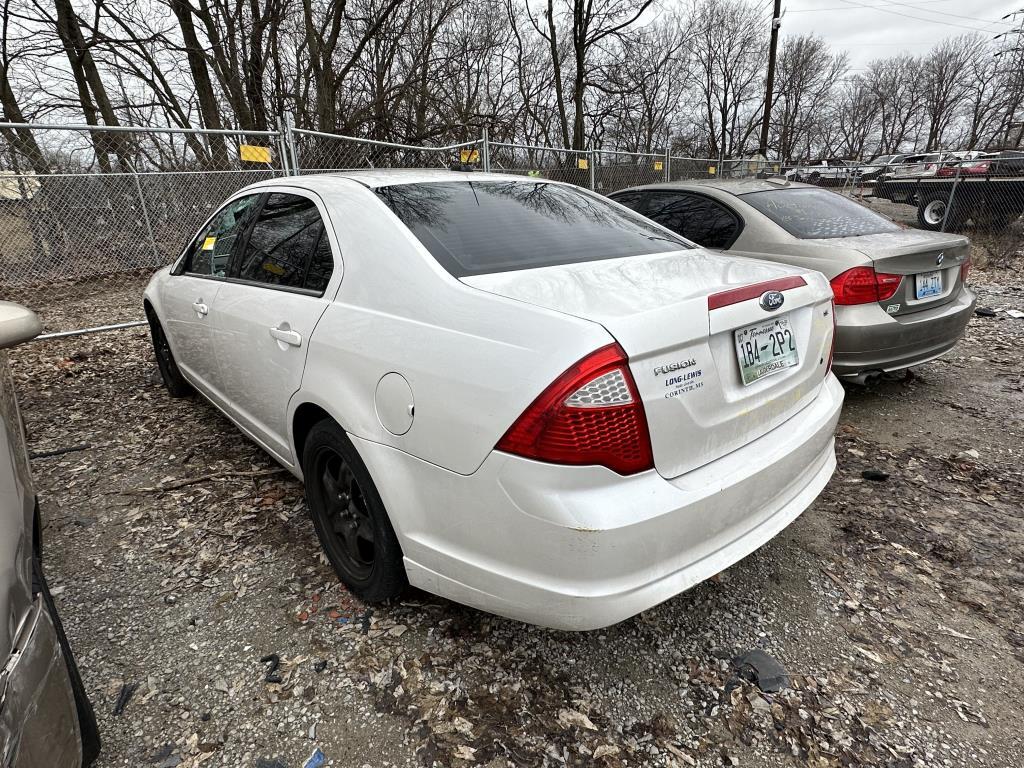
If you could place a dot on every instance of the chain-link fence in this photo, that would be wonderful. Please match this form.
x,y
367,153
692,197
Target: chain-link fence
x,y
571,166
317,152
616,170
87,214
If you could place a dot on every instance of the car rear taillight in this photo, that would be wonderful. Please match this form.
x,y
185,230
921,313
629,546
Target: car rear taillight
x,y
965,270
832,347
863,285
887,285
591,414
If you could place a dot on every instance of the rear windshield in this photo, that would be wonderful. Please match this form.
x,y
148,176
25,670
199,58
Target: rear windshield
x,y
477,227
818,213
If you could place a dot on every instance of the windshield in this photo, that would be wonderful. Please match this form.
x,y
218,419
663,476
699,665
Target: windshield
x,y
818,213
478,227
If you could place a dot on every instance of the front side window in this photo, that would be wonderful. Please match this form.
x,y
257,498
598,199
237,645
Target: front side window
x,y
479,227
210,252
817,213
283,242
696,218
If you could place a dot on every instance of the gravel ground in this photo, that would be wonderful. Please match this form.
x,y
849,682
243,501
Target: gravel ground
x,y
181,556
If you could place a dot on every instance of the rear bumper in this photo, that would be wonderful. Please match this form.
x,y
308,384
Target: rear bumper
x,y
38,719
581,547
869,340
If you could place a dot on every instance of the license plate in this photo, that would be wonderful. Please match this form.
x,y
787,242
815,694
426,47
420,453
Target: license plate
x,y
766,348
928,284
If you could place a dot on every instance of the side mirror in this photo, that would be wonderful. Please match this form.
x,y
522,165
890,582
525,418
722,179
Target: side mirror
x,y
17,324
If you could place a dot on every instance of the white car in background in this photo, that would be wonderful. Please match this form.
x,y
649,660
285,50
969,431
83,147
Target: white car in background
x,y
510,392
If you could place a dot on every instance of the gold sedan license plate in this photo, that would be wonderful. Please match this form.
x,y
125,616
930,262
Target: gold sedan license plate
x,y
765,348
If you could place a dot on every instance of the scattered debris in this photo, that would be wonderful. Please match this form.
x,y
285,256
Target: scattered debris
x,y
875,475
59,451
364,621
316,759
170,486
570,718
274,662
127,691
757,667
984,312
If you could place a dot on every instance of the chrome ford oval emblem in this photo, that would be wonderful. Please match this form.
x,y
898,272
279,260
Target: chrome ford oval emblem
x,y
771,300
939,258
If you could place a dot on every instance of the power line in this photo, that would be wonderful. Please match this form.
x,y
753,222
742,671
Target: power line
x,y
920,18
916,6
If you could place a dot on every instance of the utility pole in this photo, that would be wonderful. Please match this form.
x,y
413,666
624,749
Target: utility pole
x,y
776,22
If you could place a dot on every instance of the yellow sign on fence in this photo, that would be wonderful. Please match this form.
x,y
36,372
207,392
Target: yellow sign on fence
x,y
658,165
250,153
469,155
711,170
582,164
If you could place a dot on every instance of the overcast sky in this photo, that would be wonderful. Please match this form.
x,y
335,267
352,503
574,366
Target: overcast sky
x,y
870,29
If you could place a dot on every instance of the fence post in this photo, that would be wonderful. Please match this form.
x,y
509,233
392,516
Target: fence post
x,y
281,153
145,216
485,148
668,157
591,163
289,139
952,194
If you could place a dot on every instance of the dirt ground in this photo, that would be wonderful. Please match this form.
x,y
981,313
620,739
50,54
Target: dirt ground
x,y
181,556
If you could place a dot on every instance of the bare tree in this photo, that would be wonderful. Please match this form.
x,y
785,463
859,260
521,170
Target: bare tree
x,y
805,84
728,52
574,31
945,84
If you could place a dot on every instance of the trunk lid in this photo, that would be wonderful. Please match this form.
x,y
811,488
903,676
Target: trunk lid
x,y
683,354
931,260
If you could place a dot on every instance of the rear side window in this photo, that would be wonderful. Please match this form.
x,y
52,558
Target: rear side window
x,y
211,251
818,213
285,243
478,227
321,266
628,199
696,218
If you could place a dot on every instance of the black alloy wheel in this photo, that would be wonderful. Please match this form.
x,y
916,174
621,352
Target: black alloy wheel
x,y
350,542
177,385
349,516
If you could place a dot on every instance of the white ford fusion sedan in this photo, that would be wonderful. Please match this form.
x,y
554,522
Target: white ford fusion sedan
x,y
507,391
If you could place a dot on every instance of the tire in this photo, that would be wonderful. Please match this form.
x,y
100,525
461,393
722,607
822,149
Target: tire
x,y
177,385
931,211
87,727
349,516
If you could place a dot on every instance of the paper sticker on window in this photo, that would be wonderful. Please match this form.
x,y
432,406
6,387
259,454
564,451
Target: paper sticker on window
x,y
272,268
208,243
